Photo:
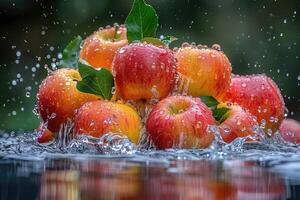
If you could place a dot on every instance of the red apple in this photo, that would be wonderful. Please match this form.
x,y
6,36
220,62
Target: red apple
x,y
238,123
58,98
181,122
45,134
144,71
100,48
290,130
202,71
260,95
97,118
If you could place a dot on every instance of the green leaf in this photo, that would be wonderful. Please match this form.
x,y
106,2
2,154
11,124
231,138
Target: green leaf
x,y
209,101
167,40
70,54
142,21
98,82
154,41
220,114
85,70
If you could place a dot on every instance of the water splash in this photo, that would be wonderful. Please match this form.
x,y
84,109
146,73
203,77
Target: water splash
x,y
110,143
261,148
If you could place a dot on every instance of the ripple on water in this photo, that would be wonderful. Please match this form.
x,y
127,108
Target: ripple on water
x,y
111,145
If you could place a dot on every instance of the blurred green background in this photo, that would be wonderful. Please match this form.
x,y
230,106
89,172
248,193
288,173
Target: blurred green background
x,y
258,37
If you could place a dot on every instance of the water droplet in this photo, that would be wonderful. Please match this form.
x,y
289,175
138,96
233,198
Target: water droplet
x,y
27,94
18,53
122,50
52,116
263,123
216,47
14,82
226,129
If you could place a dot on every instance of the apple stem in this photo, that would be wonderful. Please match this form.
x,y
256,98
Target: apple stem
x,y
116,36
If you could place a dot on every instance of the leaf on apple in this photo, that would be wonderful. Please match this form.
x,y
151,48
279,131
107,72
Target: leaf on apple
x,y
167,40
141,22
220,114
209,101
154,41
99,82
70,54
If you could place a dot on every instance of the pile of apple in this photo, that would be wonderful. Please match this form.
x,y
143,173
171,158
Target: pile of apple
x,y
124,80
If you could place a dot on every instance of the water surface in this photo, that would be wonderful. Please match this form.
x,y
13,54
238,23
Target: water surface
x,y
122,171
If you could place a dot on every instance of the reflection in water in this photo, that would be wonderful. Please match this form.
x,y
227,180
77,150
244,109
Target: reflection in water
x,y
60,185
120,179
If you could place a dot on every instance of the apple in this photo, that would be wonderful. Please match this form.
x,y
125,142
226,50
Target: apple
x,y
290,130
45,134
58,98
180,122
144,71
100,48
97,118
238,123
202,71
260,95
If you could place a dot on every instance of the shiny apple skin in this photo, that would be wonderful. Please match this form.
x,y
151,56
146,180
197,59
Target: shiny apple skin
x,y
97,118
259,95
180,122
290,130
100,48
202,71
58,98
239,123
144,71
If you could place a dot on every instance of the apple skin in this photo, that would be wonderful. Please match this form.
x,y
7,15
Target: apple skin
x,y
58,98
144,71
202,71
46,135
180,122
290,130
100,48
97,118
260,95
239,123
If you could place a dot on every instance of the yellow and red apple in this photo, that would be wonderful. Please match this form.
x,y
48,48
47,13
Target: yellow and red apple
x,y
144,71
58,98
202,71
259,95
100,48
97,118
238,123
290,130
180,122
44,134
